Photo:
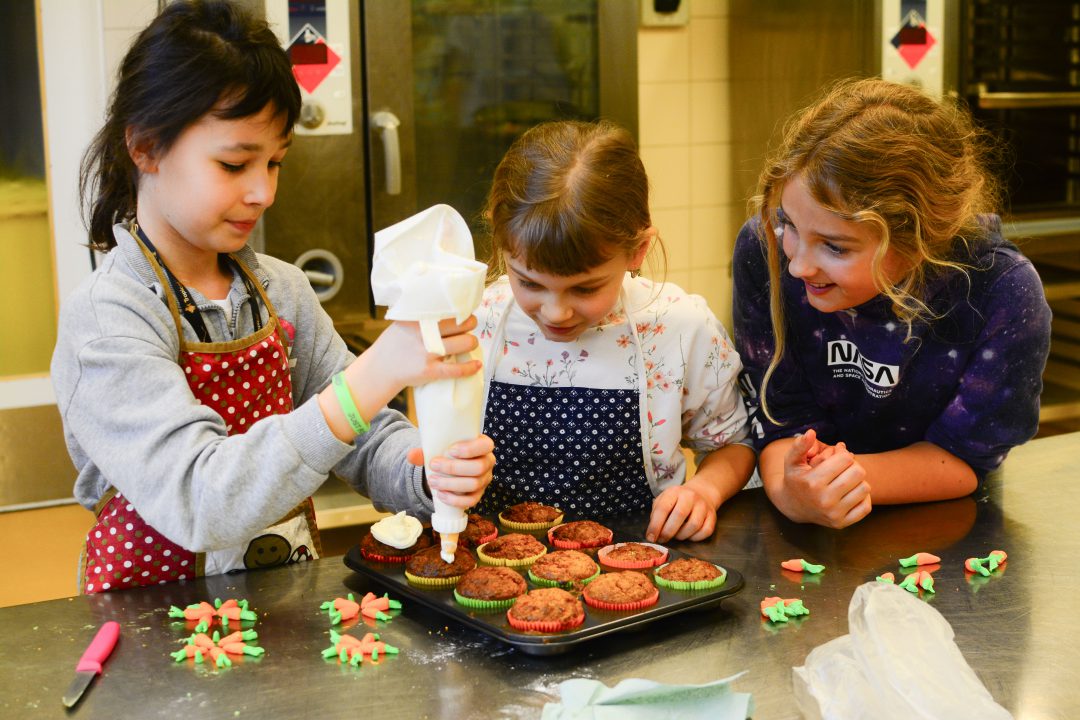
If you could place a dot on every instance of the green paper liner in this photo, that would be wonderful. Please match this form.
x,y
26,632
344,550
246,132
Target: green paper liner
x,y
574,544
508,562
477,604
622,607
696,585
543,626
530,527
629,565
544,582
440,582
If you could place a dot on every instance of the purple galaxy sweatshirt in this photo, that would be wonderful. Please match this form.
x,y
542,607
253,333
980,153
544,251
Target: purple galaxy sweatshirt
x,y
969,381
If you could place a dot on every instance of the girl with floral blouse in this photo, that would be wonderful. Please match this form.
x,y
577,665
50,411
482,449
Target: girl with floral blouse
x,y
595,376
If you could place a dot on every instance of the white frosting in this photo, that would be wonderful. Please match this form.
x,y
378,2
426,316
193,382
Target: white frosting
x,y
398,531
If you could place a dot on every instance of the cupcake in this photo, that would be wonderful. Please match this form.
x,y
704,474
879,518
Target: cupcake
x,y
546,610
514,549
530,516
479,531
624,590
632,555
487,588
372,549
578,535
690,574
428,569
564,568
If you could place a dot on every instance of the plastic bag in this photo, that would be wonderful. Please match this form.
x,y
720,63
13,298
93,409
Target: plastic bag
x,y
899,661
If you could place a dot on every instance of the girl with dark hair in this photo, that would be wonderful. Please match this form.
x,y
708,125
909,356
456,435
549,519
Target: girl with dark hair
x,y
594,375
894,341
204,391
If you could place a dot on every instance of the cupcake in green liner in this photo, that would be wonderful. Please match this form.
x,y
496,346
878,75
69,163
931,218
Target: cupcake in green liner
x,y
427,568
489,588
690,574
564,568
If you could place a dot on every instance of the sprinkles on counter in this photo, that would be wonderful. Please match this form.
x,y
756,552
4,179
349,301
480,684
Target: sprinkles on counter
x,y
919,558
800,565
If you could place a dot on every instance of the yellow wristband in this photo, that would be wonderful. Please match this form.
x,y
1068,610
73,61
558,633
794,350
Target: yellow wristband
x,y
345,400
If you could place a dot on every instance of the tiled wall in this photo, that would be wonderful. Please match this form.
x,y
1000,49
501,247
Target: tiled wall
x,y
684,84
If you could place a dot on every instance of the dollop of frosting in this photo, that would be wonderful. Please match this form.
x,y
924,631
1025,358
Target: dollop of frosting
x,y
398,531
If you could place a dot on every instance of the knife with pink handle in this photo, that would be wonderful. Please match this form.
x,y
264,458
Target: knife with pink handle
x,y
90,663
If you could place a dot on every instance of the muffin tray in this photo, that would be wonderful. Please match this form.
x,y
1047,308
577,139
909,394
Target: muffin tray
x,y
494,623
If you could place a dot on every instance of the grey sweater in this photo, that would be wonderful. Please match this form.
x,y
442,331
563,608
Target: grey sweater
x,y
131,422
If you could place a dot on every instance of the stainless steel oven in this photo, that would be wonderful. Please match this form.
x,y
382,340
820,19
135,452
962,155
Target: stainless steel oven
x,y
1019,71
408,104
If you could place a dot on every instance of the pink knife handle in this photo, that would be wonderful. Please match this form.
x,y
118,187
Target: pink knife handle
x,y
99,649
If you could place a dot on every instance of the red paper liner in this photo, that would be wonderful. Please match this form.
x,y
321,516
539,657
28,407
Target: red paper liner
x,y
384,558
637,605
544,626
574,544
630,565
486,538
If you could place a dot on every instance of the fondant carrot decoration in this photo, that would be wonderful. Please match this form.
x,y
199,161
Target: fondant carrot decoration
x,y
341,609
886,577
800,565
919,558
997,557
973,564
350,650
925,580
779,610
374,607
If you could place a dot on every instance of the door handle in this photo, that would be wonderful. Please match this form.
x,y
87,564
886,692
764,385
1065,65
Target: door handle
x,y
387,123
1020,100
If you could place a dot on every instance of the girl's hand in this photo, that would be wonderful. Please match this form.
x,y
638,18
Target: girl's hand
x,y
461,478
831,491
401,353
683,513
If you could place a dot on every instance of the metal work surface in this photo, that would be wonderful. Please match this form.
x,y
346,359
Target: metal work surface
x,y
1016,629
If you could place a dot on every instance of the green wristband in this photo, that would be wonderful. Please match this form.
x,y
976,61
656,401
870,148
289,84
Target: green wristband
x,y
345,400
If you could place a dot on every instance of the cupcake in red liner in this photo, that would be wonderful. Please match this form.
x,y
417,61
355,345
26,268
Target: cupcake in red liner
x,y
624,590
579,534
632,555
478,531
513,550
372,549
564,568
489,588
546,610
690,574
530,516
427,568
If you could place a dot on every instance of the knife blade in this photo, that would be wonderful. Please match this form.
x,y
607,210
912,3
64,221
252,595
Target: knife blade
x,y
90,663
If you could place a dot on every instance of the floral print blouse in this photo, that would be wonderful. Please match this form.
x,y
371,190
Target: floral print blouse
x,y
658,339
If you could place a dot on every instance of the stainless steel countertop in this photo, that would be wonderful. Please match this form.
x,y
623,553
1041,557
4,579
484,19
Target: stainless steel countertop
x,y
1017,630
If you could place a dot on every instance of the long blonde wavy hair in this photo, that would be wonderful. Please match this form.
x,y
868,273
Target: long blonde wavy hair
x,y
914,168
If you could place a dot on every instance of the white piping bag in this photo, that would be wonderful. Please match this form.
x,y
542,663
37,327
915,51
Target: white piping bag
x,y
424,270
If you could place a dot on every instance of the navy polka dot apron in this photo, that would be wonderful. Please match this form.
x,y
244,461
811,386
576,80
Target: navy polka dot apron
x,y
578,449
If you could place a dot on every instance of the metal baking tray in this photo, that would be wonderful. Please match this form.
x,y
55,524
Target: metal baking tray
x,y
494,623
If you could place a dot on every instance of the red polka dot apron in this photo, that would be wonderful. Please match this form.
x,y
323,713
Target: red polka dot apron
x,y
242,380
